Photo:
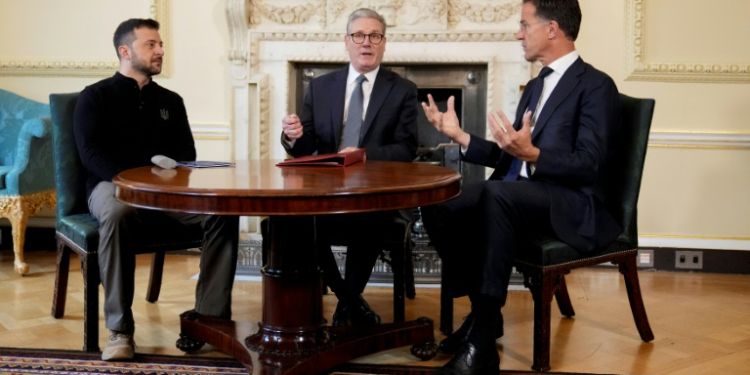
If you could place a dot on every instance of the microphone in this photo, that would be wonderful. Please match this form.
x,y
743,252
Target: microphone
x,y
164,161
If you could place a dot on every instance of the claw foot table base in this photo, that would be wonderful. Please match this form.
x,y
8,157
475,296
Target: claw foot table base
x,y
307,351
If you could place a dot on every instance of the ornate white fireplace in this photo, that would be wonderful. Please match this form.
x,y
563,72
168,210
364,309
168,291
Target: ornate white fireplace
x,y
269,37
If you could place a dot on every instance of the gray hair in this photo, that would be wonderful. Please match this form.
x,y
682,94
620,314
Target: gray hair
x,y
364,13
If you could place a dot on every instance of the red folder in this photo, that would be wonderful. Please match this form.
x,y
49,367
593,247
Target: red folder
x,y
326,160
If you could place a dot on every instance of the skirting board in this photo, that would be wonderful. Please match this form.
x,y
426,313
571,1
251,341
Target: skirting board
x,y
694,243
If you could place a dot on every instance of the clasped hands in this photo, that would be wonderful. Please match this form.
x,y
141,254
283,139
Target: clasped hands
x,y
292,128
515,142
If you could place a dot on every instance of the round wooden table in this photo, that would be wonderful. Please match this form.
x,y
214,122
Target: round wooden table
x,y
292,337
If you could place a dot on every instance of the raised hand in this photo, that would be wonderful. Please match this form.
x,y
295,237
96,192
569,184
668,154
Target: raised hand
x,y
445,122
515,142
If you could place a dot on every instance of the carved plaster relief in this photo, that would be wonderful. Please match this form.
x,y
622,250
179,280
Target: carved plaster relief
x,y
479,12
298,13
640,69
238,15
70,66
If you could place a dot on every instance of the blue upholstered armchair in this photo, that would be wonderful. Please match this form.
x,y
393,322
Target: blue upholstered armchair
x,y
27,178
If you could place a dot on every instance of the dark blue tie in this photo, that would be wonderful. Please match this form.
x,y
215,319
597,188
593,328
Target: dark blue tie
x,y
354,117
536,92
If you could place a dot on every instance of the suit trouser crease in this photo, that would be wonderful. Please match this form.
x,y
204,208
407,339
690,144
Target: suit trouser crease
x,y
119,224
478,233
358,232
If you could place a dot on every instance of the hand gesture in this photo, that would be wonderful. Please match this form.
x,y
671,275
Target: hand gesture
x,y
291,126
445,122
517,143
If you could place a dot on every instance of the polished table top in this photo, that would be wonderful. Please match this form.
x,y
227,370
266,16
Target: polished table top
x,y
259,187
298,343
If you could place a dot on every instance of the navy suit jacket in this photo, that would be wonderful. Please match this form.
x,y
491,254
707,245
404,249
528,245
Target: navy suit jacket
x,y
389,130
575,132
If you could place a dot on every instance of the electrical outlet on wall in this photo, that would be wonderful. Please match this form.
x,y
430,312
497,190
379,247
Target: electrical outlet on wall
x,y
692,260
645,258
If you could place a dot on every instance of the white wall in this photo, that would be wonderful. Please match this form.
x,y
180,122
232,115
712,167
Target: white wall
x,y
196,44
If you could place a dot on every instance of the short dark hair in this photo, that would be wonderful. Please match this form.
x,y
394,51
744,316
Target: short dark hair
x,y
567,14
125,33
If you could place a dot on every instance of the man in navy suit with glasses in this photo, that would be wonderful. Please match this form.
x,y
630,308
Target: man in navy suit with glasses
x,y
362,106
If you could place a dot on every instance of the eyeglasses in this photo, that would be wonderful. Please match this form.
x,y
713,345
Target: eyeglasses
x,y
359,38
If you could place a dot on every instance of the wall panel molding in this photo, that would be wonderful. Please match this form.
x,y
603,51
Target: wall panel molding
x,y
212,132
69,66
639,68
677,139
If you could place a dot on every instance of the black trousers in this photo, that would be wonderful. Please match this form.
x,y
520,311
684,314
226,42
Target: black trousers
x,y
361,234
478,233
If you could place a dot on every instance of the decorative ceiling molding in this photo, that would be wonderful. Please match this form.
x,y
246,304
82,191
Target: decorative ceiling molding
x,y
71,67
640,69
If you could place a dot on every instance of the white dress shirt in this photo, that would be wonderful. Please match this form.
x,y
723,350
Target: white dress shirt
x,y
558,67
351,83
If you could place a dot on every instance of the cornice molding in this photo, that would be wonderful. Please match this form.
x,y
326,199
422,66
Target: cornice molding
x,y
640,69
71,67
702,140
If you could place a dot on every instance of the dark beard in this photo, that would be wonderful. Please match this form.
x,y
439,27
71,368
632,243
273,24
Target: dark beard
x,y
147,70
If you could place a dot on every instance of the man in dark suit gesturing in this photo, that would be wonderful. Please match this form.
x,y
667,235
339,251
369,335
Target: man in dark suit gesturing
x,y
360,106
549,170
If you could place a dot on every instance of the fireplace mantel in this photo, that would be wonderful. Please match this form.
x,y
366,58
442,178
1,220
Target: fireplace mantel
x,y
269,37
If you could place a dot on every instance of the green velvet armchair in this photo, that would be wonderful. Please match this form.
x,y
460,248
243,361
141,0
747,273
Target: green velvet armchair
x,y
544,262
27,180
77,231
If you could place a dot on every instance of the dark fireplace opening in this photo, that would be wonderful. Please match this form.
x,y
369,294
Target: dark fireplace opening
x,y
468,84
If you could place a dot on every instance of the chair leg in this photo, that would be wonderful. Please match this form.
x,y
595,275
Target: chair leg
x,y
61,280
629,270
19,216
154,282
542,289
563,299
411,291
397,267
446,308
90,271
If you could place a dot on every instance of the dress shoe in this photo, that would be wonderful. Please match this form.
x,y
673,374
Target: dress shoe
x,y
354,312
472,360
342,316
362,314
452,343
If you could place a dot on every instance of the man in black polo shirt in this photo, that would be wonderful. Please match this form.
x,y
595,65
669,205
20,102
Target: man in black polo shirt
x,y
120,123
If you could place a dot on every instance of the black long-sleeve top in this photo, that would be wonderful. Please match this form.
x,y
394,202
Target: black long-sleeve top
x,y
118,126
